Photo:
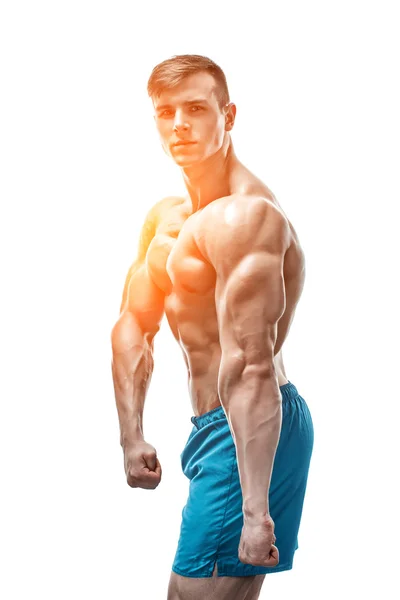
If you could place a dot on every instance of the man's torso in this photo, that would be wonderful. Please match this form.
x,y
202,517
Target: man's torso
x,y
176,262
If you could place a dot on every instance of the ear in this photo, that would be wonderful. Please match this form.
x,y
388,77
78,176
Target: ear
x,y
230,115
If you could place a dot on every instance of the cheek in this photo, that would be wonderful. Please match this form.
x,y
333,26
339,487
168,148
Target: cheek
x,y
164,137
208,129
163,129
217,130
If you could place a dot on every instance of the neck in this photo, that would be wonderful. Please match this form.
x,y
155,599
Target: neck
x,y
210,179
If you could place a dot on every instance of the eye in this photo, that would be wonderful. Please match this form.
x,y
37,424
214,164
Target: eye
x,y
195,108
165,113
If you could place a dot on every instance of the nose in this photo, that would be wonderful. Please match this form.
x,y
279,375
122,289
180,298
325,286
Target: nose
x,y
180,124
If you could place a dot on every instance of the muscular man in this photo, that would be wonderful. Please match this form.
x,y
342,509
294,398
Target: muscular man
x,y
225,265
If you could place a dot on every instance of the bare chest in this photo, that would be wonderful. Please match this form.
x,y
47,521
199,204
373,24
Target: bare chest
x,y
173,259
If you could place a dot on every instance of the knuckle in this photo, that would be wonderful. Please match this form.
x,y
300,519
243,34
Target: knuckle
x,y
133,479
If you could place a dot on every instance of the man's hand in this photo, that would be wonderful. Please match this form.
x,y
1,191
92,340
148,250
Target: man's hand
x,y
142,466
256,545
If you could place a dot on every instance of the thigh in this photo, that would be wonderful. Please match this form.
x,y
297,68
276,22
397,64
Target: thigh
x,y
208,462
214,588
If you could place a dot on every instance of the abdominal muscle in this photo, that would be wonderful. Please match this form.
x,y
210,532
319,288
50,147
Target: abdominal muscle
x,y
194,326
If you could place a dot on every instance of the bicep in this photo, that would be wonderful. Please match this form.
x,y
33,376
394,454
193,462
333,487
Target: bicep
x,y
145,300
146,235
141,313
141,296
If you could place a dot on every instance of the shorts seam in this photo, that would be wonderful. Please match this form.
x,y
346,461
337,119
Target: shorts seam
x,y
226,508
230,573
201,574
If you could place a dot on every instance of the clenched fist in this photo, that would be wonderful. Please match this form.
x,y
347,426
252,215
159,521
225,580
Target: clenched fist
x,y
257,543
142,466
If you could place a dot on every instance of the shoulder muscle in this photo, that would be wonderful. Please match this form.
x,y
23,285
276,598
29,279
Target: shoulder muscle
x,y
249,228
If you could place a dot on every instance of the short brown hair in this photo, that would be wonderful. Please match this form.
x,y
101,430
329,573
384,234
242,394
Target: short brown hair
x,y
174,70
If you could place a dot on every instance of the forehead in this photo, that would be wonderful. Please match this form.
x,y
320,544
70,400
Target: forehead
x,y
199,85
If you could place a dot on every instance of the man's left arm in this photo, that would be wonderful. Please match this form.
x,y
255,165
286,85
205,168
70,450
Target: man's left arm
x,y
250,300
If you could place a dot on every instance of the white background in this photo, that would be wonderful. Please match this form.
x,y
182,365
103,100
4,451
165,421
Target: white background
x,y
316,88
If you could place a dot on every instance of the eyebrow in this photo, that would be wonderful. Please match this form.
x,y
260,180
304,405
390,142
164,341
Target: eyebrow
x,y
186,103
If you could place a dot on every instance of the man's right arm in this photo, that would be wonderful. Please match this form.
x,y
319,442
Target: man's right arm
x,y
132,337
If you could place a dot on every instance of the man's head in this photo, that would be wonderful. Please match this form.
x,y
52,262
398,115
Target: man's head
x,y
192,107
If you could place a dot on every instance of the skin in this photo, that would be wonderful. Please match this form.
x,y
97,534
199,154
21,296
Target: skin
x,y
226,267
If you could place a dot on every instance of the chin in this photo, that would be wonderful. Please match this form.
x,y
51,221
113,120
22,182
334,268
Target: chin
x,y
186,161
189,160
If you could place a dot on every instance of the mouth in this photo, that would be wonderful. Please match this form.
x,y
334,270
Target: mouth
x,y
183,143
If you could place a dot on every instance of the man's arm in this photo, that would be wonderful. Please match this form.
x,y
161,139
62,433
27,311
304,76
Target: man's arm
x,y
250,299
146,235
142,309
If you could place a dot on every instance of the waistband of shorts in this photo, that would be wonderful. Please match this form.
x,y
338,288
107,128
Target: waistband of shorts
x,y
288,391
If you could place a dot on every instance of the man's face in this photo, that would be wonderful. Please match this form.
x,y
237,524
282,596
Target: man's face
x,y
189,120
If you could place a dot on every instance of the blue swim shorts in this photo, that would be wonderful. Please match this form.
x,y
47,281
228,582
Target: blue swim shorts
x,y
212,518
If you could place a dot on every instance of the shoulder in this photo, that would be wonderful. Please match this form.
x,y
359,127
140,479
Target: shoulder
x,y
246,225
153,218
155,215
159,209
251,207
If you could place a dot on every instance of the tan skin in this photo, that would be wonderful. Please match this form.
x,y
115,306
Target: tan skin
x,y
225,266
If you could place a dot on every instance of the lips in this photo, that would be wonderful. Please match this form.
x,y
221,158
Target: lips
x,y
183,143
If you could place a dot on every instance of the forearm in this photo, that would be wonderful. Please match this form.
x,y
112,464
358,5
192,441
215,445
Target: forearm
x,y
252,402
132,368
